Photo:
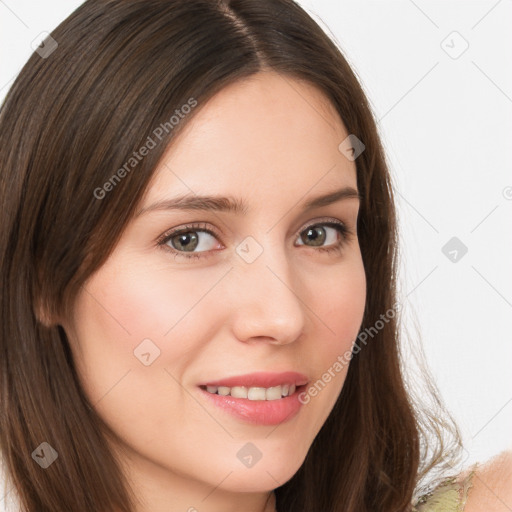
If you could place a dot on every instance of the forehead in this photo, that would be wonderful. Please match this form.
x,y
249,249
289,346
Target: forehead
x,y
264,135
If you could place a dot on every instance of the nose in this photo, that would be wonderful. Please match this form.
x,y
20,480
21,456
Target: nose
x,y
266,305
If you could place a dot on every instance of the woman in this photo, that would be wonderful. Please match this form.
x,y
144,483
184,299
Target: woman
x,y
198,274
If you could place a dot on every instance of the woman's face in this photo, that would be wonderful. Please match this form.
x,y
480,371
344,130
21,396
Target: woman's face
x,y
235,293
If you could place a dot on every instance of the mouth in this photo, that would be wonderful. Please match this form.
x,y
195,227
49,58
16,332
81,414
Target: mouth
x,y
258,398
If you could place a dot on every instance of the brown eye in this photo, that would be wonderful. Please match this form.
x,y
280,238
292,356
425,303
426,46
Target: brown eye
x,y
185,241
316,235
190,241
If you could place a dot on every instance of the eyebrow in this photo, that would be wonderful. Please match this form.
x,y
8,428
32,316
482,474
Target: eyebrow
x,y
237,206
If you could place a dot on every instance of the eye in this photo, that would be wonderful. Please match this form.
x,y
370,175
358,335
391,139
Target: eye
x,y
197,241
183,241
318,235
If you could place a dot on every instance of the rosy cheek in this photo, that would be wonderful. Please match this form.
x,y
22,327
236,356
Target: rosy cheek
x,y
136,304
345,320
124,308
344,302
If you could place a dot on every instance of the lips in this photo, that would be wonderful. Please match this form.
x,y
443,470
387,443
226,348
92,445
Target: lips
x,y
257,409
260,379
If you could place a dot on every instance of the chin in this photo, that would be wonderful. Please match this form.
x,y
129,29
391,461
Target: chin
x,y
271,471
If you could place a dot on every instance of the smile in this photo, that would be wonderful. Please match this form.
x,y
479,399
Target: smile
x,y
254,393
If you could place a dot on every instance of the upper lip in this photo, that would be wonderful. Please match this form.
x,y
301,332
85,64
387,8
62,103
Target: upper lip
x,y
260,379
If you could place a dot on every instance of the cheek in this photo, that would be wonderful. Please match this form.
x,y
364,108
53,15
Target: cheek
x,y
342,300
114,317
142,303
339,303
121,315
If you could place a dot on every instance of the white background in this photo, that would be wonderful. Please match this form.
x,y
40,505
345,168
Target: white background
x,y
447,128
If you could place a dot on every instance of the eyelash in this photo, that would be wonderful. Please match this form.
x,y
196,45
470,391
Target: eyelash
x,y
345,232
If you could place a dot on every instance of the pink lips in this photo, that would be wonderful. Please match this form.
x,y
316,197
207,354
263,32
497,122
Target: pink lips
x,y
259,412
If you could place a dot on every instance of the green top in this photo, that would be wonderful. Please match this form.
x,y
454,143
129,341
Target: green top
x,y
449,496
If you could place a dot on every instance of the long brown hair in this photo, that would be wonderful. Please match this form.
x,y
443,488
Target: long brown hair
x,y
69,123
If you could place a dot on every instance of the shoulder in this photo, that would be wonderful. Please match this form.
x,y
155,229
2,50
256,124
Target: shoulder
x,y
449,495
484,487
492,485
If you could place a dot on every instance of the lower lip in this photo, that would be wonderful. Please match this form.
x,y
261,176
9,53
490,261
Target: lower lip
x,y
260,412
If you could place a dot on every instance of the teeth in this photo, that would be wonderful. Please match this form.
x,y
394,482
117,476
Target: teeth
x,y
224,391
239,392
273,393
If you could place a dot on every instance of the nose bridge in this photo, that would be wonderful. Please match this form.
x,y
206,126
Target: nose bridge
x,y
266,303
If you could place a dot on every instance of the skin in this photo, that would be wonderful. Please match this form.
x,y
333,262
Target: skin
x,y
492,485
273,142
